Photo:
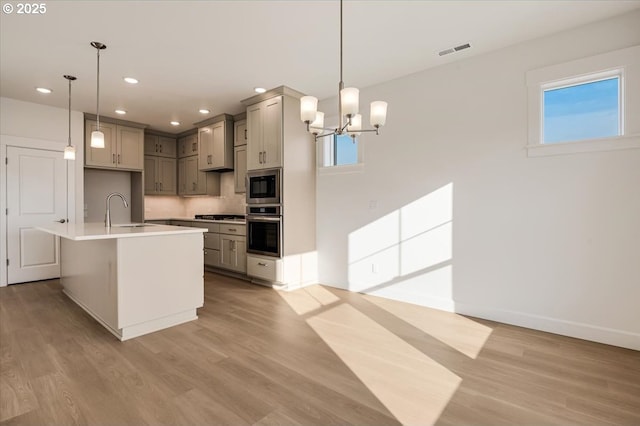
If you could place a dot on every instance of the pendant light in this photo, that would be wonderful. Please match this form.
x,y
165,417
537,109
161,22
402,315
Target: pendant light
x,y
69,150
97,137
348,103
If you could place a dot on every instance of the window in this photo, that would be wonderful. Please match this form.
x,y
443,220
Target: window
x,y
589,110
340,154
586,105
345,150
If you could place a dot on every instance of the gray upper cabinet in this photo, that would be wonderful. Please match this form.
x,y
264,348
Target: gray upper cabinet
x,y
124,147
240,155
264,134
188,146
160,146
215,144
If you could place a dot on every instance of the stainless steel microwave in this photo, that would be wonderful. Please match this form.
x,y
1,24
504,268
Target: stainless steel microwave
x,y
264,186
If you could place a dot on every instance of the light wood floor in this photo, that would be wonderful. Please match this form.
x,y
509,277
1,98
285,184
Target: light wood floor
x,y
317,356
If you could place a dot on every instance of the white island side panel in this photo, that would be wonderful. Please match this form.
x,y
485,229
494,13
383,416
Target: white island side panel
x,y
159,277
88,275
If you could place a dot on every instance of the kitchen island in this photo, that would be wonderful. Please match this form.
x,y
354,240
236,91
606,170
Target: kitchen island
x,y
133,279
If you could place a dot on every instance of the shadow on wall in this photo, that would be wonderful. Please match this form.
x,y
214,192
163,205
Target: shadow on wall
x,y
407,254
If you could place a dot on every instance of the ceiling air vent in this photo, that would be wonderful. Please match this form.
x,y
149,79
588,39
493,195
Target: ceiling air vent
x,y
454,49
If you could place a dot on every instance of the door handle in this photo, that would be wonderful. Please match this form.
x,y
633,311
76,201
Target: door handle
x,y
260,157
60,220
118,158
264,156
245,134
113,158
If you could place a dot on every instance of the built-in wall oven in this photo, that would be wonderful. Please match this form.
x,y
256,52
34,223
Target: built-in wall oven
x,y
264,230
263,186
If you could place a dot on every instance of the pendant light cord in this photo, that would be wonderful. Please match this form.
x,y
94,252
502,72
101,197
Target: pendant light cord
x,y
69,144
98,92
341,41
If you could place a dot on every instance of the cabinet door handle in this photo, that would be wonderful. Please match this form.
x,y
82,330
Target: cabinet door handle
x,y
156,186
156,147
262,264
194,146
264,156
260,157
231,229
118,158
160,186
113,158
245,134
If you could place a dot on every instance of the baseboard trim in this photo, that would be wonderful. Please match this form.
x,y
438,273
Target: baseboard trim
x,y
578,330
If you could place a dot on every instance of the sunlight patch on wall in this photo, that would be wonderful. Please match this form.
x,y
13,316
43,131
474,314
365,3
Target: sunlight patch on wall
x,y
411,241
412,386
463,334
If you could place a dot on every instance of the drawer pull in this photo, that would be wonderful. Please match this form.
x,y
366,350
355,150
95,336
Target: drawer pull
x,y
262,264
231,229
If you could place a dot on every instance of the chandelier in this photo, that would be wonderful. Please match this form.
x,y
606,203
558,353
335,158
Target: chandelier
x,y
348,104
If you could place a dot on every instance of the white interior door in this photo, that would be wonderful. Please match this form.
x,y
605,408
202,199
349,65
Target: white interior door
x,y
36,195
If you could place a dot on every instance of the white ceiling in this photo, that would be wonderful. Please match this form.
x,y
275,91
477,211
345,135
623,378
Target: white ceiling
x,y
193,54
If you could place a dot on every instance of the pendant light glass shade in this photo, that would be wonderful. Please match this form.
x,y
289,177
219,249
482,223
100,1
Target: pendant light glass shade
x,y
378,115
308,108
350,100
97,139
356,125
317,125
69,150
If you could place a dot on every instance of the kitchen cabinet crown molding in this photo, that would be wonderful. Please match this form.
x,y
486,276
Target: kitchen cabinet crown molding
x,y
241,116
160,133
213,120
278,91
105,119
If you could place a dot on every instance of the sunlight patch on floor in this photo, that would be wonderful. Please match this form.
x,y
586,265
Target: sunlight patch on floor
x,y
308,299
412,386
464,335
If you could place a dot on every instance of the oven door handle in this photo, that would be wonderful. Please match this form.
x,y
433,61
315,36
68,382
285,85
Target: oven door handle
x,y
264,218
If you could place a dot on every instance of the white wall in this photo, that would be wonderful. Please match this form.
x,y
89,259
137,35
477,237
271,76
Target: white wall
x,y
44,126
449,212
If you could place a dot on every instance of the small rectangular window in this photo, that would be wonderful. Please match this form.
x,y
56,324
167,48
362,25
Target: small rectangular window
x,y
345,150
581,111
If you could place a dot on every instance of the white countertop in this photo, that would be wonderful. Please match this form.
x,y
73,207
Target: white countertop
x,y
190,219
97,231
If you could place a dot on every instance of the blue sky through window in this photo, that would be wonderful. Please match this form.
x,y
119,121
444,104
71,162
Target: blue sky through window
x,y
346,150
584,111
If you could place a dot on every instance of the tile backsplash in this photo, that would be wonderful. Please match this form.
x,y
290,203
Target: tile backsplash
x,y
160,207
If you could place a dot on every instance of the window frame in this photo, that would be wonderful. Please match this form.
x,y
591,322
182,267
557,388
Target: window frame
x,y
326,155
623,63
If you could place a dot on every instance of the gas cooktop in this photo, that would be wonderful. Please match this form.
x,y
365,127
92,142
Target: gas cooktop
x,y
220,216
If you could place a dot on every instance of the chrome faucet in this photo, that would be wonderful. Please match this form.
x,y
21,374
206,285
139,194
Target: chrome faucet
x,y
107,215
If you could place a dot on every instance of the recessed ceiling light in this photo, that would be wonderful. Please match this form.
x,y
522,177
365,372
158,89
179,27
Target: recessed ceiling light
x,y
175,123
43,90
204,111
259,89
120,111
131,80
